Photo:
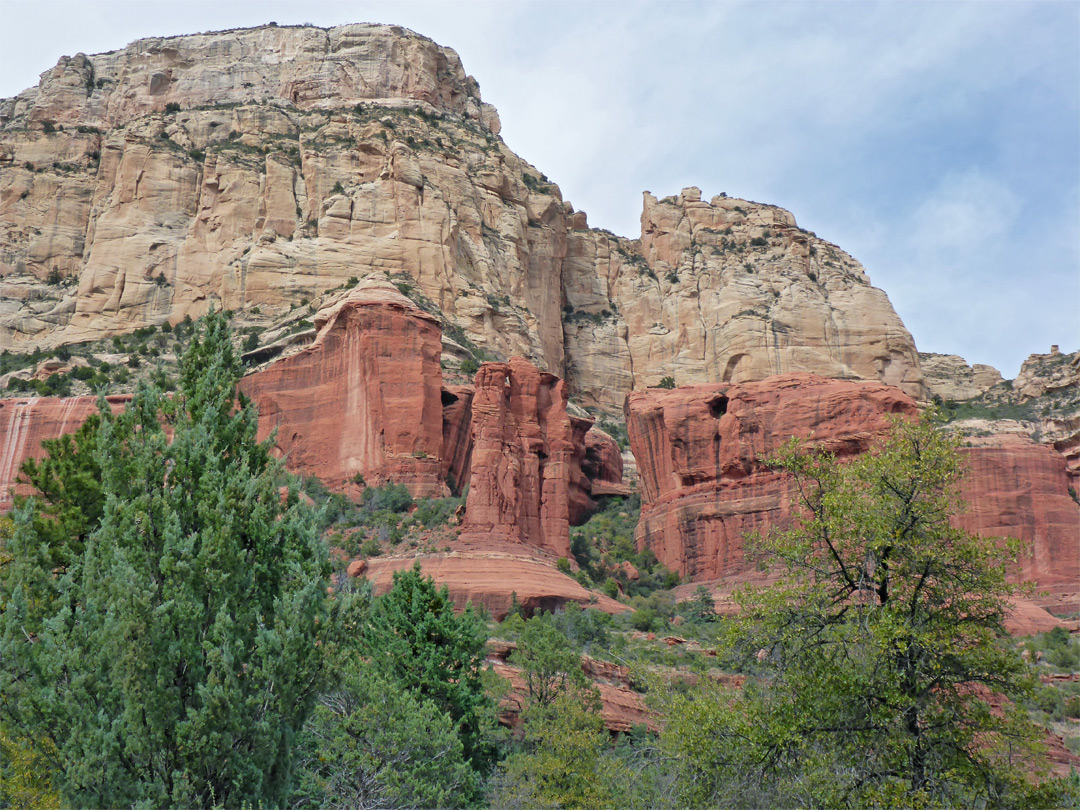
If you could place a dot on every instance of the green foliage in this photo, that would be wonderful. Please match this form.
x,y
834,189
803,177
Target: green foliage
x,y
392,497
191,610
370,743
548,664
565,760
879,649
666,382
606,540
469,366
416,640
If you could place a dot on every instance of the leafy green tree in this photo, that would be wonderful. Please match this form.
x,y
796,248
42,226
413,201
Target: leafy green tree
x,y
548,664
565,760
884,682
416,639
174,659
371,744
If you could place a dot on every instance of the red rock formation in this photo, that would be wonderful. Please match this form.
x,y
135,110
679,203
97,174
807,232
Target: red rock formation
x,y
25,422
524,448
704,489
603,464
493,578
1016,488
364,398
697,450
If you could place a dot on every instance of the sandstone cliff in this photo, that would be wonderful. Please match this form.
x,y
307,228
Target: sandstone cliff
x,y
704,487
26,422
364,399
699,450
253,169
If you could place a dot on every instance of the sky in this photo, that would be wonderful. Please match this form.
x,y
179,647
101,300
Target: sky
x,y
936,142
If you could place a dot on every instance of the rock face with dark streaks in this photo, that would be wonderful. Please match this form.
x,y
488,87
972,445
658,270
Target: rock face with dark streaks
x,y
699,451
26,422
364,399
523,458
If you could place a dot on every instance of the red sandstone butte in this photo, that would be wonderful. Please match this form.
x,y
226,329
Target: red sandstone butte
x,y
365,397
26,421
698,450
526,458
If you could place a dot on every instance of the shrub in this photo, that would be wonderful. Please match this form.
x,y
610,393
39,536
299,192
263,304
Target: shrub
x,y
667,382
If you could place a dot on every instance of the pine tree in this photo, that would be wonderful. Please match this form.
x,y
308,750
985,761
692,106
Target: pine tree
x,y
173,659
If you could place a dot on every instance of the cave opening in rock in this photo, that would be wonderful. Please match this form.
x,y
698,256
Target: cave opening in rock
x,y
718,406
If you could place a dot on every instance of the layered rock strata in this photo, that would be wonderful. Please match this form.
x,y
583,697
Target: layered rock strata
x,y
704,486
365,399
526,479
949,377
494,578
699,451
26,422
253,169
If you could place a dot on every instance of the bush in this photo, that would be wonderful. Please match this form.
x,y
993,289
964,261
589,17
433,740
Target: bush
x,y
667,382
469,366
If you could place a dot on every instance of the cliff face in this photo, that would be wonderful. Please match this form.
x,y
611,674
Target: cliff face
x,y
699,450
365,398
26,422
704,487
256,168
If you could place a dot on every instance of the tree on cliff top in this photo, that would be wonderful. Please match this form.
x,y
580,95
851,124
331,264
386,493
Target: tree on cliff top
x,y
885,682
172,658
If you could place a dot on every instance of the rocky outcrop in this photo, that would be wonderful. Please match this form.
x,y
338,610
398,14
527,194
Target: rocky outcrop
x,y
704,487
949,377
525,484
1043,374
620,706
26,422
364,399
253,169
492,574
699,449
603,464
1017,488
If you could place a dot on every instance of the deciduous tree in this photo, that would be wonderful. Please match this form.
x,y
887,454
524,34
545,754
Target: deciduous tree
x,y
882,677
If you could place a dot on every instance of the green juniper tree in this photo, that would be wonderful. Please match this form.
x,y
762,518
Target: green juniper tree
x,y
415,639
883,679
170,657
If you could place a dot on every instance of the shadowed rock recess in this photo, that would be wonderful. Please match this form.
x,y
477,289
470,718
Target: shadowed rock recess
x,y
353,175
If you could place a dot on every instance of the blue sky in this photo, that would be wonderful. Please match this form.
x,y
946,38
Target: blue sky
x,y
937,142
